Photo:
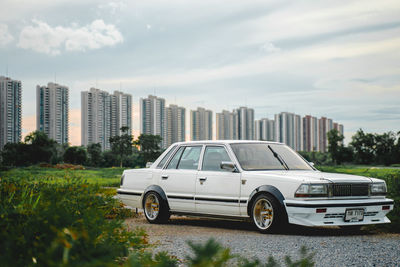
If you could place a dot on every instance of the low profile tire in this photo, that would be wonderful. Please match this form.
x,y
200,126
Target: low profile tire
x,y
155,209
266,213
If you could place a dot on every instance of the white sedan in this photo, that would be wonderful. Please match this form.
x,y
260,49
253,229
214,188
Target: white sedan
x,y
266,182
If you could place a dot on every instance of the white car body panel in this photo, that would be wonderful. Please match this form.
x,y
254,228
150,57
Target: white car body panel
x,y
228,193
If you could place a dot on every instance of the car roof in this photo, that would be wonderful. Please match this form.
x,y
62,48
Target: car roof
x,y
226,142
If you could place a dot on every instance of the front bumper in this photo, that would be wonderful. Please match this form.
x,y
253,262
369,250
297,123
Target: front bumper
x,y
305,212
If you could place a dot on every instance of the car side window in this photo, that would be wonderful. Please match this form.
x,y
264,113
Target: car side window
x,y
175,160
213,156
190,158
165,158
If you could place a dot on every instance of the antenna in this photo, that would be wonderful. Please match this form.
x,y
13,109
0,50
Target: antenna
x,y
96,84
7,70
55,77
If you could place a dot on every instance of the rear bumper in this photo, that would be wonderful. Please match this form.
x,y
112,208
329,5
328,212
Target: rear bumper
x,y
305,212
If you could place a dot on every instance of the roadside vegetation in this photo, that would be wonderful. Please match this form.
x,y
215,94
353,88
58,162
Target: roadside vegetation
x,y
57,205
70,222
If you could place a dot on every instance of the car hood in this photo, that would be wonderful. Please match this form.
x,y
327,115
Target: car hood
x,y
313,176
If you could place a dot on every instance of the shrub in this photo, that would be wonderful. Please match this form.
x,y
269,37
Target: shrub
x,y
62,224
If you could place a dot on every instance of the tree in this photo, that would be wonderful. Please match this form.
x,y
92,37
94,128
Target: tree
x,y
149,148
41,147
122,144
335,143
95,154
364,147
75,155
16,154
385,148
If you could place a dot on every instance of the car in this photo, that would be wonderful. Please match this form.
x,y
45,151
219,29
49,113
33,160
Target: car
x,y
265,182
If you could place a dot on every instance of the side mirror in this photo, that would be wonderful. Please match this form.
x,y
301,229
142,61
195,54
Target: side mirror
x,y
227,165
148,164
311,163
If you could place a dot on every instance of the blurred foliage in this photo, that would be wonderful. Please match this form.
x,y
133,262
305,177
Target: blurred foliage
x,y
62,224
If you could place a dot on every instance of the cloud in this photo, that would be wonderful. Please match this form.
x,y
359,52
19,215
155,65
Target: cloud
x,y
270,48
113,7
43,38
5,36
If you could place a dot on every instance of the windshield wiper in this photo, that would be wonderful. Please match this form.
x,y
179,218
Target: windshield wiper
x,y
279,158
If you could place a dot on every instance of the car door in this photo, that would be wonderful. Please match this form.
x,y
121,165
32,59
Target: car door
x,y
217,190
178,178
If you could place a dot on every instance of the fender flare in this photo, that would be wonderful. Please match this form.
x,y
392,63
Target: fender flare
x,y
270,189
157,189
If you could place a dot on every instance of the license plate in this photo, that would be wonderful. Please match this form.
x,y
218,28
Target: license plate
x,y
354,215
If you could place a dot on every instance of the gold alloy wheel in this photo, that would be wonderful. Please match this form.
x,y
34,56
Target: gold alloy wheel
x,y
151,206
263,213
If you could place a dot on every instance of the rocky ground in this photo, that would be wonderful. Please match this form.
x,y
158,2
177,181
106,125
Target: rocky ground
x,y
332,246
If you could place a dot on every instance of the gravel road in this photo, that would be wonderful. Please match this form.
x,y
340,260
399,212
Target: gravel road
x,y
332,246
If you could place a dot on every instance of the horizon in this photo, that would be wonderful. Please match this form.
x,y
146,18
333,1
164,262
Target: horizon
x,y
323,59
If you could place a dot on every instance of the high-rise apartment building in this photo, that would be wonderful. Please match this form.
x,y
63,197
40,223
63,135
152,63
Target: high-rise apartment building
x,y
153,117
103,115
264,129
201,124
10,111
245,123
52,111
310,134
284,128
298,133
289,129
122,111
175,123
227,125
324,126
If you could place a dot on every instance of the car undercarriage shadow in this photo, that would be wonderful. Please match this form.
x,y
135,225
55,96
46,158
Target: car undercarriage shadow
x,y
248,226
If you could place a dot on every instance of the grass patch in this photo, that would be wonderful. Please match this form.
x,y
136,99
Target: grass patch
x,y
100,176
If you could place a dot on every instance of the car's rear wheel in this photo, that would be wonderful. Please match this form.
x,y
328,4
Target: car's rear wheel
x,y
266,213
155,209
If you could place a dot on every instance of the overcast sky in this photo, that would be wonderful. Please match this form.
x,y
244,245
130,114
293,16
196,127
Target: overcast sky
x,y
339,59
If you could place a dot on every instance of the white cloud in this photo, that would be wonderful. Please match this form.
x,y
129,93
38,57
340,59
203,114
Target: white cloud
x,y
43,38
270,48
5,36
113,7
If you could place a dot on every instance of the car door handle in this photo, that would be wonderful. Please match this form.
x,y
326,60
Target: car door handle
x,y
202,179
164,177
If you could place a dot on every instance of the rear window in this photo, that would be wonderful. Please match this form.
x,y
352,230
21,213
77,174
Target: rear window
x,y
165,158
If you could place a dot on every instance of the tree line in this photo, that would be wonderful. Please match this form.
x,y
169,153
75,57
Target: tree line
x,y
125,151
37,147
364,148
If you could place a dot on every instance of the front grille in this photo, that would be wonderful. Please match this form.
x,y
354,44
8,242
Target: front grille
x,y
350,190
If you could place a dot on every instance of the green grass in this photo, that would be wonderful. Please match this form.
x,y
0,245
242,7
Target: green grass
x,y
376,172
100,176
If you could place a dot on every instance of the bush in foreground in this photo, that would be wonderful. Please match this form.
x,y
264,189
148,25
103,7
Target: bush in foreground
x,y
72,223
62,224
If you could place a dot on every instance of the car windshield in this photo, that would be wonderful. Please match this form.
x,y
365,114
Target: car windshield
x,y
264,156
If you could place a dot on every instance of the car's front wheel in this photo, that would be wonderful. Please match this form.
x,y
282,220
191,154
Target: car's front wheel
x,y
155,209
266,213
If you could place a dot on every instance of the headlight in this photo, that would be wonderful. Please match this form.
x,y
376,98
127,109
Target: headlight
x,y
378,189
312,190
